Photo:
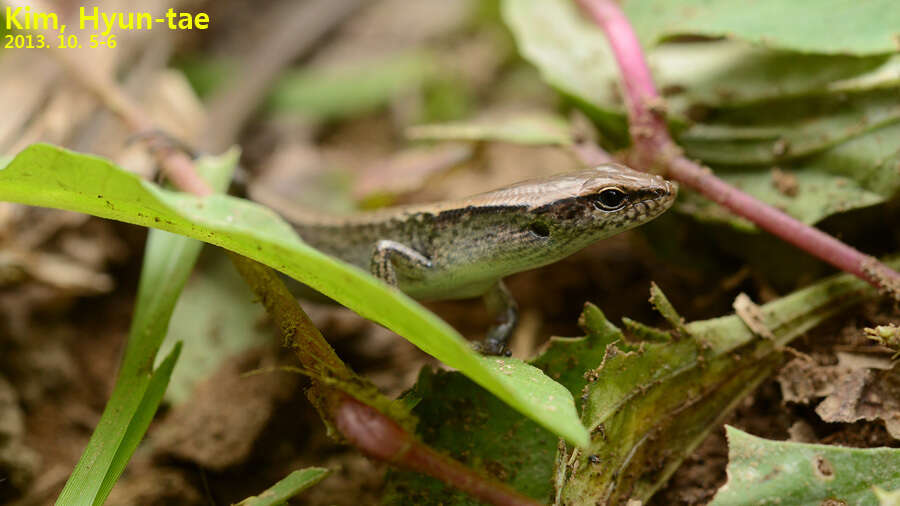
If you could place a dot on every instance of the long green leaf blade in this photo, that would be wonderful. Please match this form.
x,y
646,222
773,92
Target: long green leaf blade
x,y
140,421
48,176
287,487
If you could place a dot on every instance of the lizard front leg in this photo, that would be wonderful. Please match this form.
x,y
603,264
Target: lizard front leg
x,y
392,257
501,304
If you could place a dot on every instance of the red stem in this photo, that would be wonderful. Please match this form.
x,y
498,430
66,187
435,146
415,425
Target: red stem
x,y
647,127
654,146
381,438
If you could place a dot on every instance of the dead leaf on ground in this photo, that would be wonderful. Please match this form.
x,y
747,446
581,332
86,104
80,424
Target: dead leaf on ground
x,y
18,463
228,412
859,387
751,315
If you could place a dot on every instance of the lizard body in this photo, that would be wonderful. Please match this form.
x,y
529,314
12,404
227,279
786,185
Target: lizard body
x,y
464,248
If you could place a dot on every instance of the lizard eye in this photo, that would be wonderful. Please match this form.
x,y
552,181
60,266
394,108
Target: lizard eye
x,y
610,199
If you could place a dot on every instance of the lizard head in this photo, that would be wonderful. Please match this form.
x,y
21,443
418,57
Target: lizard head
x,y
591,204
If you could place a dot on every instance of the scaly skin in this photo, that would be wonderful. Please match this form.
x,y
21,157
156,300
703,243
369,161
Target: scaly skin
x,y
464,248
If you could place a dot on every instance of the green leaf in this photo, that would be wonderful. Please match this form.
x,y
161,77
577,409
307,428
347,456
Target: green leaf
x,y
538,390
571,53
727,73
665,308
648,406
140,421
323,93
521,128
168,261
857,173
567,359
287,487
48,176
206,74
345,89
787,129
811,26
782,472
872,160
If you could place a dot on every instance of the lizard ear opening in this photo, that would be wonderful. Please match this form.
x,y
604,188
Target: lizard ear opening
x,y
539,229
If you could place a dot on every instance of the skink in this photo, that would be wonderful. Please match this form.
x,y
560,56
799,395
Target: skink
x,y
464,248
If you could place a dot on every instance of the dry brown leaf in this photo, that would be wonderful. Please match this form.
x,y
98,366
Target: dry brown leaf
x,y
751,315
859,387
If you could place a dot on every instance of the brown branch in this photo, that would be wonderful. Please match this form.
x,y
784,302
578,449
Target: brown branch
x,y
654,147
296,27
293,324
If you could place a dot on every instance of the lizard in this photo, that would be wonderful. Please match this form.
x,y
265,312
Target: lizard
x,y
463,248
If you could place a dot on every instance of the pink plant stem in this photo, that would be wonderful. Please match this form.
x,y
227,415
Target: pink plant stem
x,y
654,147
648,128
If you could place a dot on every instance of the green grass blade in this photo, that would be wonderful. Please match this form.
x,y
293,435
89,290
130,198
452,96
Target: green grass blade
x,y
49,176
287,487
140,421
167,264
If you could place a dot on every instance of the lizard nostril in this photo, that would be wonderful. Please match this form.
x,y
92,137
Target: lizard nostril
x,y
665,190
